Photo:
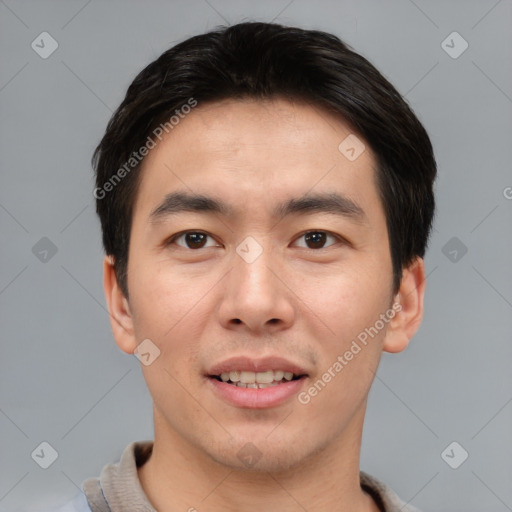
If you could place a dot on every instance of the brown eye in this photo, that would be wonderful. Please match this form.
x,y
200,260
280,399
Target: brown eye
x,y
316,239
192,239
195,240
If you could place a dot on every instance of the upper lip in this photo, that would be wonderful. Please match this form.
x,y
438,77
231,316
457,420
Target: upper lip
x,y
252,364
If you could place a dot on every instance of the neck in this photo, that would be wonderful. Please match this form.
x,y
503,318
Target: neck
x,y
179,477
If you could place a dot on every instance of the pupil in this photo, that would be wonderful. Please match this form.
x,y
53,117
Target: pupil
x,y
317,238
195,239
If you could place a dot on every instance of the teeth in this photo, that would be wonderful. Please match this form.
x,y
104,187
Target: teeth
x,y
248,377
255,379
255,385
265,377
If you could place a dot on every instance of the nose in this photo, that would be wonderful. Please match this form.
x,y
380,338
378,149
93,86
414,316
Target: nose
x,y
257,296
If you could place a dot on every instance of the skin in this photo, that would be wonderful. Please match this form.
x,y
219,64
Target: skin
x,y
307,304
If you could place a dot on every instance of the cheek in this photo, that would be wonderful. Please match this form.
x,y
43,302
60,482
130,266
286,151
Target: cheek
x,y
346,302
167,299
349,355
171,309
348,309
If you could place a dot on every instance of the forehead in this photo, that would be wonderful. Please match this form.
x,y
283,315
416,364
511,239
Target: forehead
x,y
253,151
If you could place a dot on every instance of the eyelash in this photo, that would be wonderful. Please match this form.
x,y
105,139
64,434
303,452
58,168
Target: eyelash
x,y
172,239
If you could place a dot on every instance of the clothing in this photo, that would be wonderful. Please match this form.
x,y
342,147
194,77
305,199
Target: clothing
x,y
118,488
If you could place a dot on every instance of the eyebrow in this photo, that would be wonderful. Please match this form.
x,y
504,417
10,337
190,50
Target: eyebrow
x,y
331,203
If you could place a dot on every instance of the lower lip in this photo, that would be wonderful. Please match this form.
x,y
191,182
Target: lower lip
x,y
257,398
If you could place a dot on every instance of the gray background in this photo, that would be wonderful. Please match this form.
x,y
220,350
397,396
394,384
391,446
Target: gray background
x,y
62,378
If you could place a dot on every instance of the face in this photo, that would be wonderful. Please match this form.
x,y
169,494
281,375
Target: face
x,y
284,267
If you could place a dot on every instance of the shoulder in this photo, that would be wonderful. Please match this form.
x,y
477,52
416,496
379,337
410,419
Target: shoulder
x,y
383,495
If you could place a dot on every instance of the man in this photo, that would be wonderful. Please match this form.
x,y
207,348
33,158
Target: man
x,y
266,199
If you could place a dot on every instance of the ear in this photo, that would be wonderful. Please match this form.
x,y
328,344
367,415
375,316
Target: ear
x,y
408,304
118,308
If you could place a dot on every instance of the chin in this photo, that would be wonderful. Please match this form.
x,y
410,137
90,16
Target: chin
x,y
266,463
251,454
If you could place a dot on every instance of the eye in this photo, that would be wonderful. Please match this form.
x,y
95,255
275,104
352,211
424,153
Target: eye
x,y
197,240
317,239
192,240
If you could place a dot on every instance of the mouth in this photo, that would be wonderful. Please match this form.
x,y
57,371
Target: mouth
x,y
257,380
256,383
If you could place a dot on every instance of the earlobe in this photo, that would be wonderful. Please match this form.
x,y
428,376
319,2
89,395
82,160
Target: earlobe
x,y
119,310
408,305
